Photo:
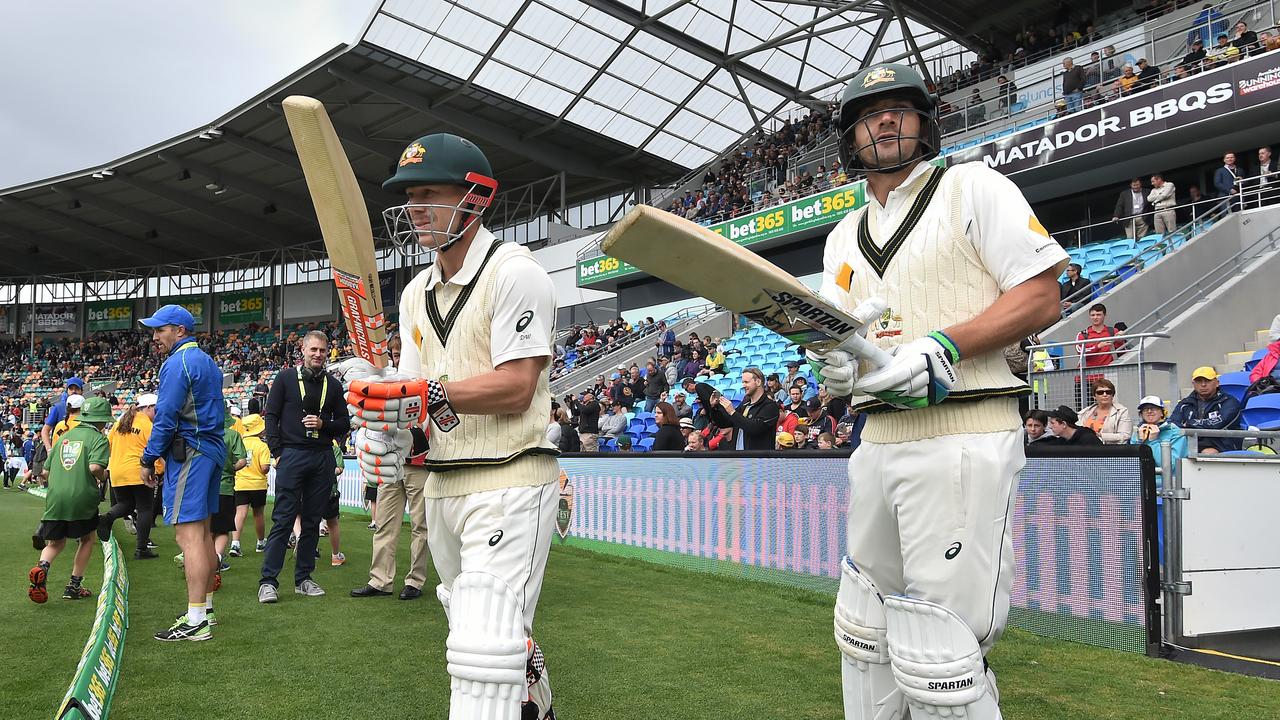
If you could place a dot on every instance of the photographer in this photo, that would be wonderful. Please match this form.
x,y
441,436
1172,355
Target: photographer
x,y
588,413
756,418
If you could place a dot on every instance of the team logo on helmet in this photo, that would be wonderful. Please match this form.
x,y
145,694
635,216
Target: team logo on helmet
x,y
70,453
412,154
877,76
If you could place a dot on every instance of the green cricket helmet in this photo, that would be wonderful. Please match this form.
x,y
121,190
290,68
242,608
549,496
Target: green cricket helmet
x,y
440,159
875,83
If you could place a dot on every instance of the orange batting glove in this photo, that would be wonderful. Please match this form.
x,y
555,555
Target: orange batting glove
x,y
400,405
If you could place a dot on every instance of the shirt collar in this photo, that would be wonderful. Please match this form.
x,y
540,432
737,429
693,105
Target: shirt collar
x,y
920,169
470,264
181,344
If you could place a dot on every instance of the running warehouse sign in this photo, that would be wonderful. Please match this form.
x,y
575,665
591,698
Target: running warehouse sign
x,y
1239,86
823,208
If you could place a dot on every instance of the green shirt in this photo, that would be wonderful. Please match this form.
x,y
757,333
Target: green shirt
x,y
235,453
73,491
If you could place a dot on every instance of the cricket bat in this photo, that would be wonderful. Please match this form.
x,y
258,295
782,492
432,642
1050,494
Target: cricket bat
x,y
708,264
344,223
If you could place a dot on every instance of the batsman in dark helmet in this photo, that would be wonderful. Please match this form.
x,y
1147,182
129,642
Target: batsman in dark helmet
x,y
438,159
887,120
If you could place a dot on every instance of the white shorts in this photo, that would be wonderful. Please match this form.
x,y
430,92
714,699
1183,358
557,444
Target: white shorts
x,y
931,518
504,532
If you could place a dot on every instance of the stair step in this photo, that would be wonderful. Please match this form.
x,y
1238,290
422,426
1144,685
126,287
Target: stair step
x,y
1254,346
1264,337
1236,360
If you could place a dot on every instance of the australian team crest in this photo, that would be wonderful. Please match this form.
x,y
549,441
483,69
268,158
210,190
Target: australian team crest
x,y
564,512
877,76
70,453
889,325
412,154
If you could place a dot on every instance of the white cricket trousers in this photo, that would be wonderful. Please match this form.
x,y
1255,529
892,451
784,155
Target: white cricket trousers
x,y
931,519
504,532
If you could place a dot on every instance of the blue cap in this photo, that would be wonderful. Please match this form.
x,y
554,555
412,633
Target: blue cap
x,y
76,382
170,315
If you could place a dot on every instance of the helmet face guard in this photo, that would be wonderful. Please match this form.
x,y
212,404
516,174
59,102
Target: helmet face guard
x,y
408,237
852,154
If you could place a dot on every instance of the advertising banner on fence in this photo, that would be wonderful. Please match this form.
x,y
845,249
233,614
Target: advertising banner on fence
x,y
53,319
193,303
94,684
1242,85
823,208
109,315
242,307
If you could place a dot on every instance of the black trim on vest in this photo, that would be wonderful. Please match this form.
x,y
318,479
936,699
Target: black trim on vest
x,y
880,257
444,325
879,406
468,463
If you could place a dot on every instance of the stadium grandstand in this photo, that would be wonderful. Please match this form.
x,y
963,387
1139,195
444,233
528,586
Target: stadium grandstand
x,y
1139,133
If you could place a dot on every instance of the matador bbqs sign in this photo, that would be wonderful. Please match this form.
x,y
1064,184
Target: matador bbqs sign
x,y
1210,94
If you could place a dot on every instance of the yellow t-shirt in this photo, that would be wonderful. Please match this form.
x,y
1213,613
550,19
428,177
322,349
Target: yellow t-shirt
x,y
125,465
253,476
63,426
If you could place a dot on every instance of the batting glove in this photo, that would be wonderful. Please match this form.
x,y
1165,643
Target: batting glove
x,y
385,406
382,455
838,369
921,374
357,368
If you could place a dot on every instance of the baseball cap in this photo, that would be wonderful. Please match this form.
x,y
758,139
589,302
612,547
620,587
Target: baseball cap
x,y
792,363
1152,401
686,423
170,315
147,400
235,410
1064,414
1206,372
75,382
786,439
812,404
75,401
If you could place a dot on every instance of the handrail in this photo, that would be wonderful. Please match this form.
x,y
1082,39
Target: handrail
x,y
1082,369
680,317
1059,234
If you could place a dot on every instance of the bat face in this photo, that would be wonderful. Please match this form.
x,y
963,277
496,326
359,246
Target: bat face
x,y
344,223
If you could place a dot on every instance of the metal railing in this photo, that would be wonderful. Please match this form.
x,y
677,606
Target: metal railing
x,y
1071,386
631,342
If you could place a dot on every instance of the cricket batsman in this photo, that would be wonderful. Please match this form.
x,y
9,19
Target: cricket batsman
x,y
959,267
476,328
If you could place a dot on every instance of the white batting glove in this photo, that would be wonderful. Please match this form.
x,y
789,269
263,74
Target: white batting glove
x,y
838,369
922,373
382,455
357,368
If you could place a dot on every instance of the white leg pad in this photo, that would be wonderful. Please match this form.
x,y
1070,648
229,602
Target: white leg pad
x,y
442,594
486,649
937,662
870,691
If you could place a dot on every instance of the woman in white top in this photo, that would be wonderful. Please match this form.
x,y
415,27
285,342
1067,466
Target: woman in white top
x,y
1106,417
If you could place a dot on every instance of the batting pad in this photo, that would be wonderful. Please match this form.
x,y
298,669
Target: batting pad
x,y
487,649
937,662
870,691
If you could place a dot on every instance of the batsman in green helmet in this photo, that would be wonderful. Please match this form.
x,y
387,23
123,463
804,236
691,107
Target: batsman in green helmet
x,y
887,120
448,183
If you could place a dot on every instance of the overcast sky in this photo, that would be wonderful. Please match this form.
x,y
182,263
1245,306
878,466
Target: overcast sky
x,y
85,82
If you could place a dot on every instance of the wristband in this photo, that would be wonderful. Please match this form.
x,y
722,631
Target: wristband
x,y
438,407
943,339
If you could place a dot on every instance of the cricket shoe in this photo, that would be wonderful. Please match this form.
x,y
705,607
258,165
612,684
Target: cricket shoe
x,y
38,577
182,630
75,592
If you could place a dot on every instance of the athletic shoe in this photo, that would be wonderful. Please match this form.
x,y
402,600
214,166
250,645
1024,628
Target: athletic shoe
x,y
373,526
38,577
223,566
209,617
324,531
130,527
182,630
151,545
336,560
309,588
293,541
104,528
261,546
75,592
145,554
177,560
267,594
235,551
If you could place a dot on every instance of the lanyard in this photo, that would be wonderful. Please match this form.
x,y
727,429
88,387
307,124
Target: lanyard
x,y
302,390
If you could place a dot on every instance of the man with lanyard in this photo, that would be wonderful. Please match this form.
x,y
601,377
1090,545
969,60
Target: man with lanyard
x,y
187,433
58,413
304,413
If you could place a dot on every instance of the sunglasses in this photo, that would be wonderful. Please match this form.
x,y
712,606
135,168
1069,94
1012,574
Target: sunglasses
x,y
1104,392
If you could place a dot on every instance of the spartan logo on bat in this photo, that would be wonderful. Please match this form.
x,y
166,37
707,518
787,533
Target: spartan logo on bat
x,y
564,511
412,154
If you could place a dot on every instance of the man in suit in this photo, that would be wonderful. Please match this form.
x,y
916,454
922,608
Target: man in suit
x,y
1267,180
1226,180
1132,209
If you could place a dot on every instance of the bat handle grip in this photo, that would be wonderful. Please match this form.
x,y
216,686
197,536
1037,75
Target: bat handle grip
x,y
861,347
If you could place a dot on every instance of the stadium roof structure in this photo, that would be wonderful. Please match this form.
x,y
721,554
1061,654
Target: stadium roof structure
x,y
604,96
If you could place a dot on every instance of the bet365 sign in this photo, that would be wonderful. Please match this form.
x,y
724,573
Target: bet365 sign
x,y
242,307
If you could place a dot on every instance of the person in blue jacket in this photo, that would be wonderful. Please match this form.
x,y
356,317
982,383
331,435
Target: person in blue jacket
x,y
58,413
187,432
1155,430
1208,408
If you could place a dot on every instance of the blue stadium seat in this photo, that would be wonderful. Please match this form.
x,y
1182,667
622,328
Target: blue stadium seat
x,y
642,415
651,426
1234,384
1255,358
1263,412
645,445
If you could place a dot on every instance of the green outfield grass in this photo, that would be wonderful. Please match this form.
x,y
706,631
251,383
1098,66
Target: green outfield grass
x,y
623,639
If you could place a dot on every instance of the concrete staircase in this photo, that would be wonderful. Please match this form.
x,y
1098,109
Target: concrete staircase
x,y
1236,360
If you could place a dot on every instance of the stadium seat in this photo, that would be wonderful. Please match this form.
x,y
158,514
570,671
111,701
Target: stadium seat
x,y
1234,384
1255,359
651,426
1263,412
645,445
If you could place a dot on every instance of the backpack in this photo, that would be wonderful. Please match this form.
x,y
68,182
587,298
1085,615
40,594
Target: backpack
x,y
569,440
1265,385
